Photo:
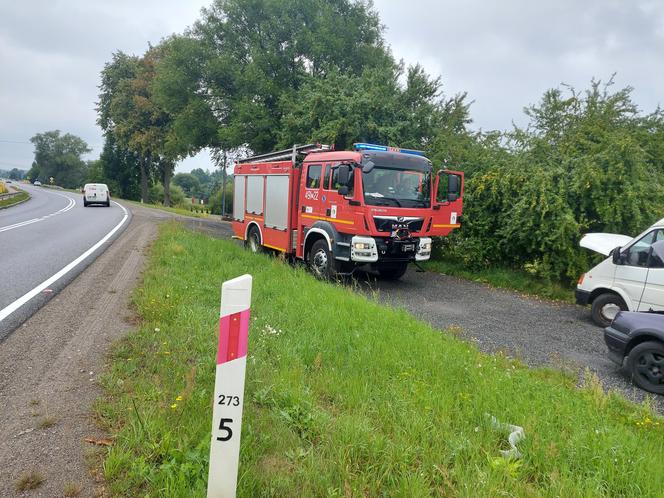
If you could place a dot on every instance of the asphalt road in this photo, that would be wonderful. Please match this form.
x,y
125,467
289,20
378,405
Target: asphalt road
x,y
39,241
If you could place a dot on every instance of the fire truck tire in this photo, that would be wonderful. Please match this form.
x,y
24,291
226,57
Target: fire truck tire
x,y
253,242
321,260
393,271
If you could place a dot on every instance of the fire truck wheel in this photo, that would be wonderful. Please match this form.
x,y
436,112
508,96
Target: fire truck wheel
x,y
321,260
253,242
393,271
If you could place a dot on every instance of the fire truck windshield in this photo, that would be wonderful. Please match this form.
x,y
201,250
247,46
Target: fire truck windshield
x,y
383,186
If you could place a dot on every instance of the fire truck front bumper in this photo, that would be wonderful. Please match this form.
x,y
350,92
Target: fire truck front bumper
x,y
365,249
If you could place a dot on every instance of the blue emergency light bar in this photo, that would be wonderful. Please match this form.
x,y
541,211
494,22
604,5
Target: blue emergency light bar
x,y
385,148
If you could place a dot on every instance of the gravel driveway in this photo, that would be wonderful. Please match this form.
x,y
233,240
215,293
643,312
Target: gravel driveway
x,y
540,333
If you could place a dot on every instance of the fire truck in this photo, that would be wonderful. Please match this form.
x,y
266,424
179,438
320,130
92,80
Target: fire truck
x,y
339,210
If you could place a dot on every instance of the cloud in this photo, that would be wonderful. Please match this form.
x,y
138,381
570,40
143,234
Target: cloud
x,y
504,54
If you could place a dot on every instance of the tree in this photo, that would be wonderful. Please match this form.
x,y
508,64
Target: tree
x,y
59,156
16,174
120,118
261,51
119,169
188,183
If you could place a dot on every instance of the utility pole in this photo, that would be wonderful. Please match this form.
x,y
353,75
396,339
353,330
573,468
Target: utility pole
x,y
223,186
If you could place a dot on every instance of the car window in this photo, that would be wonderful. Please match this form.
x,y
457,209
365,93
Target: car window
x,y
335,181
313,176
639,253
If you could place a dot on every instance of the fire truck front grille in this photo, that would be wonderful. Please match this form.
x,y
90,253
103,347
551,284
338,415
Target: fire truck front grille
x,y
390,223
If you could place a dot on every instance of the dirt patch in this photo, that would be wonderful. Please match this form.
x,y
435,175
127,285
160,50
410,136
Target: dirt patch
x,y
48,375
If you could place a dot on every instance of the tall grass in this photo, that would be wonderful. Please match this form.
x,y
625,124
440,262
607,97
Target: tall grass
x,y
345,397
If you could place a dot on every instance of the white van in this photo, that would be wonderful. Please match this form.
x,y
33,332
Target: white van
x,y
96,193
631,279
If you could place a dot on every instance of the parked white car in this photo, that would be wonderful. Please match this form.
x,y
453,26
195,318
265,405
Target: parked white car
x,y
631,279
96,193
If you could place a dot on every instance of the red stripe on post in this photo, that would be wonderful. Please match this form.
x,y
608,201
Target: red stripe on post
x,y
233,335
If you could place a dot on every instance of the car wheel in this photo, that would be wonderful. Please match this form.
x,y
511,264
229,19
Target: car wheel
x,y
108,203
321,260
85,203
645,364
605,308
253,242
393,271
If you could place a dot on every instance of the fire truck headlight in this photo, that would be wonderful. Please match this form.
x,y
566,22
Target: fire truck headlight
x,y
424,249
363,249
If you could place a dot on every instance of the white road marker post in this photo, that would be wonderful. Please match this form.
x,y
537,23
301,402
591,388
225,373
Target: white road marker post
x,y
229,387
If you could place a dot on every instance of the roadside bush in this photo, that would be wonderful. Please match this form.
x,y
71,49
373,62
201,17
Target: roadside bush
x,y
586,163
215,200
156,194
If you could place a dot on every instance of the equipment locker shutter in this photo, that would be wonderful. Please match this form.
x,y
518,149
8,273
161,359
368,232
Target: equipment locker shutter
x,y
238,198
255,187
276,202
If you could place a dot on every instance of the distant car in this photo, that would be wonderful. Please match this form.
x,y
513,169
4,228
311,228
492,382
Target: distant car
x,y
96,193
37,183
639,337
8,181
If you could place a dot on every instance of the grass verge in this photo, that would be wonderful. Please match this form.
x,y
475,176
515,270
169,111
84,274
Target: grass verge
x,y
345,397
22,196
506,278
175,210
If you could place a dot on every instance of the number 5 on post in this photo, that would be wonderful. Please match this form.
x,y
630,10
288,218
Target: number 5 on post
x,y
229,387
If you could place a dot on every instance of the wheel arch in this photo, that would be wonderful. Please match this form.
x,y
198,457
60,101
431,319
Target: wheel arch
x,y
616,292
319,230
248,227
644,336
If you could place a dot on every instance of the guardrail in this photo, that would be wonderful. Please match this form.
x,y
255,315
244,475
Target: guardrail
x,y
9,195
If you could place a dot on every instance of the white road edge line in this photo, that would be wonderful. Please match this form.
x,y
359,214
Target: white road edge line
x,y
71,204
8,310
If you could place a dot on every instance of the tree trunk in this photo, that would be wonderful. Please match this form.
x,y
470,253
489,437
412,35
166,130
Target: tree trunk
x,y
143,163
166,174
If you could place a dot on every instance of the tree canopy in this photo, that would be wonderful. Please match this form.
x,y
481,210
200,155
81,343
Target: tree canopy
x,y
59,157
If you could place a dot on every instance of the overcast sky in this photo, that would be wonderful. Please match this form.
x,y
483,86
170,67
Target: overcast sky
x,y
504,54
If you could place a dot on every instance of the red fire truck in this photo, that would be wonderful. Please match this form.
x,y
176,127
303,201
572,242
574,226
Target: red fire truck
x,y
338,210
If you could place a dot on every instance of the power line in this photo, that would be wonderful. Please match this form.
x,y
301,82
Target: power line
x,y
14,142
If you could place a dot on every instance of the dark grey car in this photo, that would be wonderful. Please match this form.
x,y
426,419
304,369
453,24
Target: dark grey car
x,y
639,337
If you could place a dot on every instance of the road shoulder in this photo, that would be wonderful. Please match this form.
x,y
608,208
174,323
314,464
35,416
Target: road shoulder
x,y
49,368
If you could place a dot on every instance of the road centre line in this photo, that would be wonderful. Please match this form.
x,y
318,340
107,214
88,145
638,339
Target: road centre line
x,y
8,310
70,205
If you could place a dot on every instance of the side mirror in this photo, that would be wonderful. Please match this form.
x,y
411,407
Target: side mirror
x,y
453,187
343,190
615,255
368,166
343,175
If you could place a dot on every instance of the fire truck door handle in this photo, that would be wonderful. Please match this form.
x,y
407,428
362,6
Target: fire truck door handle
x,y
327,212
436,207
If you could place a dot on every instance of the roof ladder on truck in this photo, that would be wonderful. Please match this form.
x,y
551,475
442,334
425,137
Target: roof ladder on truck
x,y
280,155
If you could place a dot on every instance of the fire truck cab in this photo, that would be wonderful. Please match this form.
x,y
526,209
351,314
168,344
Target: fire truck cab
x,y
338,210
